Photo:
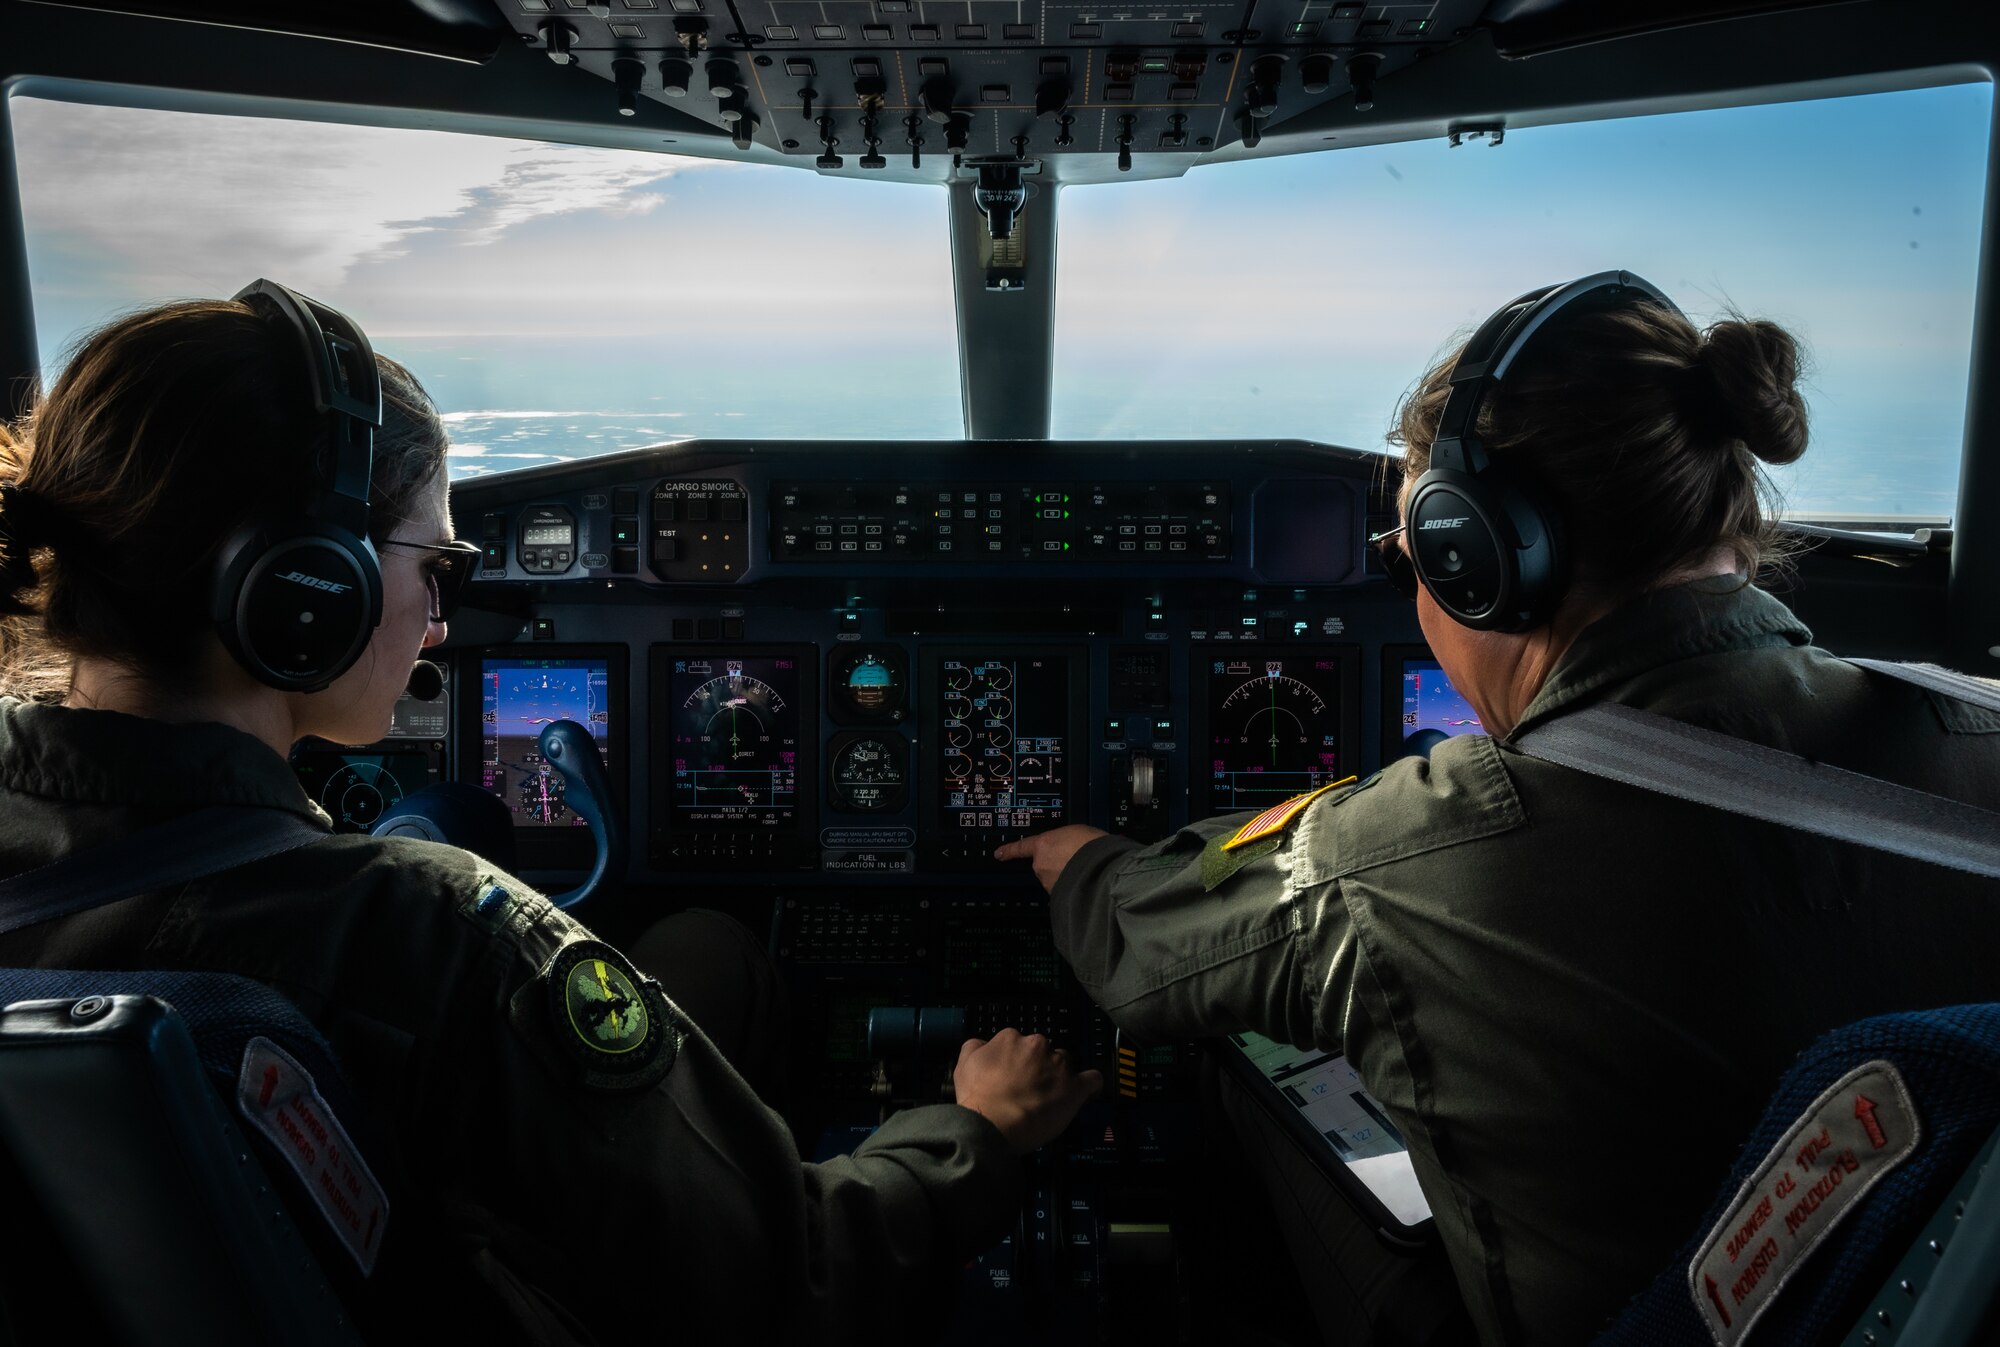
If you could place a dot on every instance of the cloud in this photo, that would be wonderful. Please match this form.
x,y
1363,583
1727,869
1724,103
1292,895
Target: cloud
x,y
149,204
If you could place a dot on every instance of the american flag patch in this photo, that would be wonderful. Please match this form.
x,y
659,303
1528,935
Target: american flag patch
x,y
1277,816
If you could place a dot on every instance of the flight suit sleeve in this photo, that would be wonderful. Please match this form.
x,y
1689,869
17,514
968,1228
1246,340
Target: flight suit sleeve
x,y
618,1165
1184,939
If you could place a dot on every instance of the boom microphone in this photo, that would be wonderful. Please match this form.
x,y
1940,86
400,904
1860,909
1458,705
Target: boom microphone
x,y
426,681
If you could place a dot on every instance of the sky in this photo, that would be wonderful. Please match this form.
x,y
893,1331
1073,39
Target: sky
x,y
559,300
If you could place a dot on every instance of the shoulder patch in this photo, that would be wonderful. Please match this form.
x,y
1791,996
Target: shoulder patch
x,y
489,906
1274,820
612,1022
1219,862
1862,1127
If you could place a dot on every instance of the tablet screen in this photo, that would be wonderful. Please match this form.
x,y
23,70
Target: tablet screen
x,y
1327,1093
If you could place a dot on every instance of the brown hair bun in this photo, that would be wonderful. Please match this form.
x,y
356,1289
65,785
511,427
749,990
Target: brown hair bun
x,y
1753,369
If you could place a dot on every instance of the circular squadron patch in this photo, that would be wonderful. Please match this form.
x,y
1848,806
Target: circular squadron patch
x,y
614,1023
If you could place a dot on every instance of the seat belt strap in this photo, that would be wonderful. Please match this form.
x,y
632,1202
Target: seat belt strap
x,y
1964,687
190,847
1669,757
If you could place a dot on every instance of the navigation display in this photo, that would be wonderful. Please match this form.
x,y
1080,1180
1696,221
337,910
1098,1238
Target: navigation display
x,y
1275,725
519,698
1004,751
735,740
1433,710
358,788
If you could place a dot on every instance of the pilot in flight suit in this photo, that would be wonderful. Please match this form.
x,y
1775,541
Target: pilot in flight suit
x,y
567,1156
1572,996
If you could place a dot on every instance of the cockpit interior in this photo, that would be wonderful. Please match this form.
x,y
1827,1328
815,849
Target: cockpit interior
x,y
861,550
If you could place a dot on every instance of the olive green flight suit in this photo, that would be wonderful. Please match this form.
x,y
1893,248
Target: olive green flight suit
x,y
1574,997
535,1183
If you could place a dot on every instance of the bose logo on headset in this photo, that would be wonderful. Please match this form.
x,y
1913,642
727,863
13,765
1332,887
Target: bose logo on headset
x,y
314,582
1442,523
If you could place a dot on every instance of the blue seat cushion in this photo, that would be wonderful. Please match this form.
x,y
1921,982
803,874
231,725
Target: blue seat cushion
x,y
1950,1061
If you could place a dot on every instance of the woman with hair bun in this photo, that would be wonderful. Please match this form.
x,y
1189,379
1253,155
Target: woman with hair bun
x,y
564,1155
1572,996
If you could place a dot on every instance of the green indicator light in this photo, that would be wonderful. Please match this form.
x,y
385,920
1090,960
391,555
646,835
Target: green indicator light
x,y
1065,547
1065,514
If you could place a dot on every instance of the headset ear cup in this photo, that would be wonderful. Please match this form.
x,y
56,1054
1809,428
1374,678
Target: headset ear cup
x,y
296,602
1487,551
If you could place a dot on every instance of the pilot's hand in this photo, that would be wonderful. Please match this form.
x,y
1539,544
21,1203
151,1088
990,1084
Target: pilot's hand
x,y
1049,852
1022,1086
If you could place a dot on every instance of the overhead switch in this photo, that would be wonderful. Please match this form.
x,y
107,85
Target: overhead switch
x,y
1361,69
626,73
558,37
936,98
675,75
723,77
1316,73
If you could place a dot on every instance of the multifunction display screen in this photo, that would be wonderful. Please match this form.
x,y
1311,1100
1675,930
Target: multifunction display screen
x,y
520,698
357,789
1004,749
736,727
1433,710
1274,726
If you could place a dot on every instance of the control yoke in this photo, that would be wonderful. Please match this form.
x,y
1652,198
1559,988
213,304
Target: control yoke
x,y
569,748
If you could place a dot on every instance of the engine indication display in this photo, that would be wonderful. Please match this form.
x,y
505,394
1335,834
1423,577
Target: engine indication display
x,y
521,697
736,729
1002,757
1275,726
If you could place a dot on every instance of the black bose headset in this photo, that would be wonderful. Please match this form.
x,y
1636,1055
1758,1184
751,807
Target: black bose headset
x,y
1483,539
298,591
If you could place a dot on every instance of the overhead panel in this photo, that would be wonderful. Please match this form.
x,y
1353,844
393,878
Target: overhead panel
x,y
855,84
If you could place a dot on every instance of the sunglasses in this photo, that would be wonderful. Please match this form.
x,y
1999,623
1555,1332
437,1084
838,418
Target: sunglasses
x,y
449,567
1396,563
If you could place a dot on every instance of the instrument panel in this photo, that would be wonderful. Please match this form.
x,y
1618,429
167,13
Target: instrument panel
x,y
887,717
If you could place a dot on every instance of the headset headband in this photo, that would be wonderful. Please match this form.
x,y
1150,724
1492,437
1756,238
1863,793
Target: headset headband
x,y
346,393
1492,350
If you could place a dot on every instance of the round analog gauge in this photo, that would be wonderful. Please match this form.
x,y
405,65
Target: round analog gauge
x,y
868,773
359,793
999,677
869,683
542,796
